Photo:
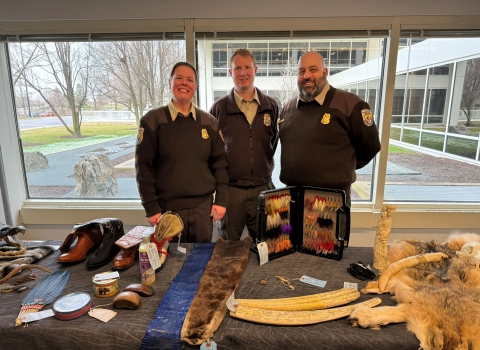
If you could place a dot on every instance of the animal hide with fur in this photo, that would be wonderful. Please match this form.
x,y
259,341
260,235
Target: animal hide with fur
x,y
221,276
32,255
439,301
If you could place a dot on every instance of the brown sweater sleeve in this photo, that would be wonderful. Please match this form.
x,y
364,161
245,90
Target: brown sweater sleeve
x,y
217,161
145,158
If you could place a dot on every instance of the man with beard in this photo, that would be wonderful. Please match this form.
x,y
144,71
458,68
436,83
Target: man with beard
x,y
325,133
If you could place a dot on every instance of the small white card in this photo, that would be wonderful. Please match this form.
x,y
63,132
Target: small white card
x,y
106,276
232,304
35,316
350,285
313,281
209,345
152,253
181,249
262,252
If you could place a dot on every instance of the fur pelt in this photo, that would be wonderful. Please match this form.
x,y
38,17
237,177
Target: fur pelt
x,y
32,255
439,301
221,276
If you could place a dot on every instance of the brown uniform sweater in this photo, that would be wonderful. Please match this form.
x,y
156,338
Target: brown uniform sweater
x,y
322,145
249,148
179,163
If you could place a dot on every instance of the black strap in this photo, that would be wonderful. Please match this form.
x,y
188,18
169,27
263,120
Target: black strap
x,y
360,271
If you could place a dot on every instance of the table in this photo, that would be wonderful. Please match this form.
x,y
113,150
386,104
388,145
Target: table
x,y
127,329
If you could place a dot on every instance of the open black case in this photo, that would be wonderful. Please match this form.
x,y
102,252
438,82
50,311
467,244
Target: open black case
x,y
309,220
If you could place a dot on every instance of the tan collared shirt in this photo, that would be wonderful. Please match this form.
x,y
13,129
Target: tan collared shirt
x,y
320,97
249,108
174,111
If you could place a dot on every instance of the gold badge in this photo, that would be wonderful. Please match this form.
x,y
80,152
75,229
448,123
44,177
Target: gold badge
x,y
367,117
139,136
204,134
221,135
267,120
326,119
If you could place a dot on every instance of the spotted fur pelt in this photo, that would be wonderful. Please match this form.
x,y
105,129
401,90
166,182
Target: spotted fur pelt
x,y
221,276
439,301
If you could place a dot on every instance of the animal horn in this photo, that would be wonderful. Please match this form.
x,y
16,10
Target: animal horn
x,y
410,261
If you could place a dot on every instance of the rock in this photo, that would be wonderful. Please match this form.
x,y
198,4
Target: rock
x,y
35,161
95,176
460,129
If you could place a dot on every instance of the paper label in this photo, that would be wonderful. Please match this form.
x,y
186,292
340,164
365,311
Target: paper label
x,y
313,281
350,285
102,314
232,304
209,345
181,249
35,316
152,253
262,252
106,276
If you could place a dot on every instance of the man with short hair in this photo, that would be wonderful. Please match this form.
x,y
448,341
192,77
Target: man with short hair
x,y
248,124
325,133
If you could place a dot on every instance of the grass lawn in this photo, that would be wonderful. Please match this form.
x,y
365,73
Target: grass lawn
x,y
56,139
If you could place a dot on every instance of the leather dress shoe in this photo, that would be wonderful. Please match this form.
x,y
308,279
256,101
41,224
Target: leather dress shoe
x,y
88,237
125,258
112,231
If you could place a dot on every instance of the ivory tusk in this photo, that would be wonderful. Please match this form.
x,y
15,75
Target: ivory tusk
x,y
308,302
297,318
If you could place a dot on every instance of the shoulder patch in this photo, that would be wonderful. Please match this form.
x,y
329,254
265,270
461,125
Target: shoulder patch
x,y
367,117
139,136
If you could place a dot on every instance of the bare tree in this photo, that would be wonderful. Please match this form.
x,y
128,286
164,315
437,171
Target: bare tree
x,y
135,74
287,85
120,77
60,67
471,88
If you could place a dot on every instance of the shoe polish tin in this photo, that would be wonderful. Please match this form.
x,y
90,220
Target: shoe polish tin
x,y
105,284
72,306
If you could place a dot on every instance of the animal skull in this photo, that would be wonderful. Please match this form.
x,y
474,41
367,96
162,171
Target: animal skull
x,y
470,253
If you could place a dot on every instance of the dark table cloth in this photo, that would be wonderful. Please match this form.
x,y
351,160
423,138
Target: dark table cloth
x,y
127,329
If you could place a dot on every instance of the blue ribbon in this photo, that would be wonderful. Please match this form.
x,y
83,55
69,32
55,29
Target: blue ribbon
x,y
163,332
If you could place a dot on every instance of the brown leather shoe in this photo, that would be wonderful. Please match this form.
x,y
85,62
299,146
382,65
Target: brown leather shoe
x,y
79,252
125,258
88,237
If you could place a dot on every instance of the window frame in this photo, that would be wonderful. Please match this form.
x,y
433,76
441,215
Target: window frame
x,y
41,214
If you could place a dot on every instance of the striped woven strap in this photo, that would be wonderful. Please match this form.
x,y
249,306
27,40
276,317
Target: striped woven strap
x,y
163,331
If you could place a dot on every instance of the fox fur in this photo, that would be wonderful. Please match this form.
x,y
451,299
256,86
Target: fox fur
x,y
439,301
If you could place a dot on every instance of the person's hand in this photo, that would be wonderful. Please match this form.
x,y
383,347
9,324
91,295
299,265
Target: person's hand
x,y
152,220
217,212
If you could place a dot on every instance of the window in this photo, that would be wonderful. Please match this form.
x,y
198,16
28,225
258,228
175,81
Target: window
x,y
260,52
277,77
436,144
278,58
87,99
340,54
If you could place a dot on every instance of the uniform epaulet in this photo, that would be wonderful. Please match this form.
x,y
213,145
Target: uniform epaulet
x,y
207,119
290,104
155,117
